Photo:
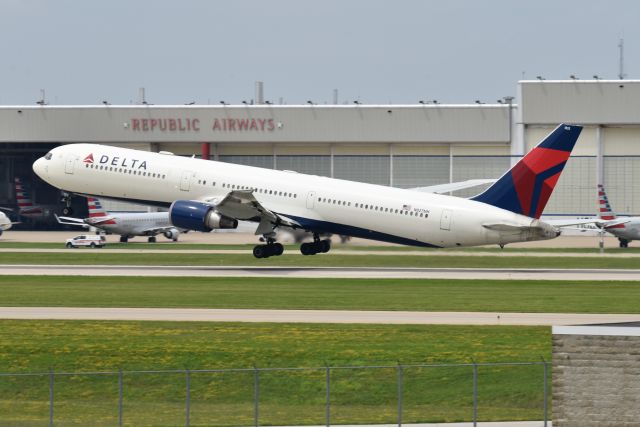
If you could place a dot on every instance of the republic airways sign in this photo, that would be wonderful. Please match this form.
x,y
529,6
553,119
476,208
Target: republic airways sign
x,y
187,124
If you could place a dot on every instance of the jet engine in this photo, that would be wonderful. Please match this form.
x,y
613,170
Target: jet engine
x,y
172,234
192,215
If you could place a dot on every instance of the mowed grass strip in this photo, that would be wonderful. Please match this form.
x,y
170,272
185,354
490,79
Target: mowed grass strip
x,y
357,396
101,257
330,294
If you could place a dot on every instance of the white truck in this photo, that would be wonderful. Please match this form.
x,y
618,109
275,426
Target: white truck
x,y
92,241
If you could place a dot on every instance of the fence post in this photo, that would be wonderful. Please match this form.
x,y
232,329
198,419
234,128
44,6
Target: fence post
x,y
475,394
187,409
120,395
256,397
51,379
546,413
327,409
400,392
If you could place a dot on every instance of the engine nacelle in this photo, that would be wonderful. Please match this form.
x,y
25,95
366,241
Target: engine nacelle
x,y
172,234
198,216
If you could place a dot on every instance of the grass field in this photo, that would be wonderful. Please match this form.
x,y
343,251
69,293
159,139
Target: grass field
x,y
101,257
340,294
358,396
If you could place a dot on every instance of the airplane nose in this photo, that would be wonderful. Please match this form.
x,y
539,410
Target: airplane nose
x,y
40,167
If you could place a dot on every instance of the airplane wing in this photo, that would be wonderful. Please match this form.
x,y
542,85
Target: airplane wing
x,y
152,231
569,222
242,205
613,223
453,186
67,220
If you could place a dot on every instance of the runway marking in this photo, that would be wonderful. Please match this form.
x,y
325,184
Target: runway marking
x,y
326,272
310,316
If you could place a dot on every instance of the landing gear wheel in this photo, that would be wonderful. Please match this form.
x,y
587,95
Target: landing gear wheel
x,y
124,239
270,249
152,239
307,249
318,246
260,251
624,243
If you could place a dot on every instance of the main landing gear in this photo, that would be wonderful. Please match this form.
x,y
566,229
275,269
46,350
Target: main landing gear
x,y
315,247
270,249
624,243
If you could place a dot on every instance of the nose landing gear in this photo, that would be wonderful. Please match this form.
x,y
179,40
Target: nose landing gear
x,y
66,199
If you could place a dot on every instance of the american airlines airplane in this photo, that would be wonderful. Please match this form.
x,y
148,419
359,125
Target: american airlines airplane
x,y
625,229
127,225
26,208
204,195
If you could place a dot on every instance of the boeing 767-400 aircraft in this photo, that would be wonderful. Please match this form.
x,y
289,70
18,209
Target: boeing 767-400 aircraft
x,y
204,195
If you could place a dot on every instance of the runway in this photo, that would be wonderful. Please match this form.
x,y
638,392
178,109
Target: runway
x,y
311,316
324,272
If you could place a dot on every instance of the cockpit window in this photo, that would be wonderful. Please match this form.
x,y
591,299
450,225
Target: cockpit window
x,y
48,156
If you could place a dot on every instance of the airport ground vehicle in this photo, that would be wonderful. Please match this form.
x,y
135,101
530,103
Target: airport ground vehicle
x,y
90,240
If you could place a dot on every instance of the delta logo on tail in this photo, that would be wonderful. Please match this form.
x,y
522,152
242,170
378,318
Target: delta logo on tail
x,y
526,188
88,159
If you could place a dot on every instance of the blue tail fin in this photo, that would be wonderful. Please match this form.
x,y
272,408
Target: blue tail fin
x,y
525,189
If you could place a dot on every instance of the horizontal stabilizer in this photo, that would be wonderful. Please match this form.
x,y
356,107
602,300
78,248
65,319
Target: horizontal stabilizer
x,y
67,220
453,186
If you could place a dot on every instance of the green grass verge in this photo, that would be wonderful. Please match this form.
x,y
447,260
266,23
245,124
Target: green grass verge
x,y
357,396
101,257
337,294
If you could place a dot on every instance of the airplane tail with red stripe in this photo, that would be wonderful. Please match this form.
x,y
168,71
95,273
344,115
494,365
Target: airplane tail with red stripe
x,y
25,204
97,214
526,188
605,212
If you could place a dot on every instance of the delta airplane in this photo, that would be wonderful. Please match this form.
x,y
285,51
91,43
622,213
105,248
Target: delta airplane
x,y
203,195
625,229
126,225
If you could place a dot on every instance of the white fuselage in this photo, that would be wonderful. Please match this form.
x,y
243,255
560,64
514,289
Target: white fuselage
x,y
5,222
132,224
629,230
324,204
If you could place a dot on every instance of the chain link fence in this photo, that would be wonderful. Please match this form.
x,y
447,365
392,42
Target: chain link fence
x,y
329,395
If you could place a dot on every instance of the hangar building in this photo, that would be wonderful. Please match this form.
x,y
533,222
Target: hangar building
x,y
398,145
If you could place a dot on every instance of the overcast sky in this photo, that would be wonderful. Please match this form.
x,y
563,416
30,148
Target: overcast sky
x,y
83,52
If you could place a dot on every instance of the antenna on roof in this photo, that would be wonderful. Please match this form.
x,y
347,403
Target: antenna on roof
x,y
621,74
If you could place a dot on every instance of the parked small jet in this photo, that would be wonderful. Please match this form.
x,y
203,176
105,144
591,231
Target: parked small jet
x,y
204,195
625,229
126,225
5,222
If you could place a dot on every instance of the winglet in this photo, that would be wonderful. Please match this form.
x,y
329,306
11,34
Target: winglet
x,y
525,189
